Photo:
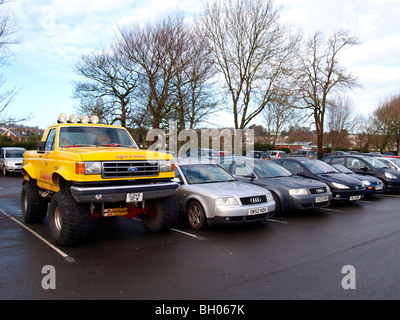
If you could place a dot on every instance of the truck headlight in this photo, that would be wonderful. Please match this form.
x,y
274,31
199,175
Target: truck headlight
x,y
167,166
298,192
88,168
219,202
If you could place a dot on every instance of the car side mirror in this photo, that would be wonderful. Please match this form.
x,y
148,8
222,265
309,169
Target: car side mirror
x,y
177,180
41,147
249,176
365,168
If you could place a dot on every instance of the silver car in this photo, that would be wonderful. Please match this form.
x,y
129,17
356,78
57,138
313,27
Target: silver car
x,y
11,159
209,195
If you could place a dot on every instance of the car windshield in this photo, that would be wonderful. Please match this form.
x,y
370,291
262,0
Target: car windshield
x,y
396,161
375,163
342,169
269,169
205,173
15,153
318,167
75,136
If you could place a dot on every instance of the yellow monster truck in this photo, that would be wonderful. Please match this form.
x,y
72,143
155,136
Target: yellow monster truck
x,y
86,170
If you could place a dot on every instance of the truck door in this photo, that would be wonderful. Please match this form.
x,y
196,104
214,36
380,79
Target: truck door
x,y
45,177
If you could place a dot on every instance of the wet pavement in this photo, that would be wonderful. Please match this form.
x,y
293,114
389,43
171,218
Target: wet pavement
x,y
298,256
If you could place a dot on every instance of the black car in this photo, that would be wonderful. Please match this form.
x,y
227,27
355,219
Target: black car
x,y
342,186
369,166
290,192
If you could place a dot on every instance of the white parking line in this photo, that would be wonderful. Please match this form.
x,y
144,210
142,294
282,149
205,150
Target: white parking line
x,y
63,254
188,234
389,195
329,209
182,232
277,221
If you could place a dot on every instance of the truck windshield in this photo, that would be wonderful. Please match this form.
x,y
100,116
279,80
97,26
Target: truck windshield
x,y
71,137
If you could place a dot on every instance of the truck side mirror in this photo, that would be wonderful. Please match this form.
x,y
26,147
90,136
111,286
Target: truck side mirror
x,y
41,146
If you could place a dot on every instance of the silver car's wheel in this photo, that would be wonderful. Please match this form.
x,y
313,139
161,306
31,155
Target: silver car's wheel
x,y
196,217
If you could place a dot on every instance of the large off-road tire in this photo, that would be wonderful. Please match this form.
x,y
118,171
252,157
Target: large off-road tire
x,y
68,219
166,215
33,206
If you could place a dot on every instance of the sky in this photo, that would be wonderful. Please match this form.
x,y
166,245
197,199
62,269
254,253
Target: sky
x,y
54,34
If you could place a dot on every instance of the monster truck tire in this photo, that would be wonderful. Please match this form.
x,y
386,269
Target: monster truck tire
x,y
166,215
33,206
68,219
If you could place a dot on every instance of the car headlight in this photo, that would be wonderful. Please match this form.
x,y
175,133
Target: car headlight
x,y
269,197
339,185
390,175
298,192
88,168
166,166
10,163
219,202
366,183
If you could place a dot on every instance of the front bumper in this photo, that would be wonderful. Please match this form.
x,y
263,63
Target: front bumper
x,y
347,195
393,184
14,168
113,194
241,213
307,202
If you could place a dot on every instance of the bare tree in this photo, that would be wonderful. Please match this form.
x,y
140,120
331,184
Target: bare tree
x,y
279,113
386,122
154,49
321,75
196,97
108,85
341,120
7,32
251,50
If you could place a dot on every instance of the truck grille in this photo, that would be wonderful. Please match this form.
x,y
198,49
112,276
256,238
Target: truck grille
x,y
127,169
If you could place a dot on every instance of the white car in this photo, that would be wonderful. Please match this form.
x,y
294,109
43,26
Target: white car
x,y
11,159
209,195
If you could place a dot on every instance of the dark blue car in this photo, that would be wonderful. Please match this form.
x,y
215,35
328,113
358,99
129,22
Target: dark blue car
x,y
372,185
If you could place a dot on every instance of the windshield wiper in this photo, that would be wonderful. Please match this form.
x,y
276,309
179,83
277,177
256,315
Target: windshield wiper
x,y
117,145
79,145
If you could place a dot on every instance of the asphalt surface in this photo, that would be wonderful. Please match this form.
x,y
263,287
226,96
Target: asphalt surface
x,y
292,257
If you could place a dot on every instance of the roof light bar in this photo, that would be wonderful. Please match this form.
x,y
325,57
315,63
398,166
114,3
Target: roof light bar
x,y
63,118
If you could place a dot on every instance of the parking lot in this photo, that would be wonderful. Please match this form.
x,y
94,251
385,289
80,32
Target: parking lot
x,y
294,256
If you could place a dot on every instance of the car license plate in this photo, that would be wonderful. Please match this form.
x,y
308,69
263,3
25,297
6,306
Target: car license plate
x,y
321,199
379,188
258,211
354,198
134,197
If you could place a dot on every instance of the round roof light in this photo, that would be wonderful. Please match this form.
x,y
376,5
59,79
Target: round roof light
x,y
85,119
94,119
73,118
62,118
